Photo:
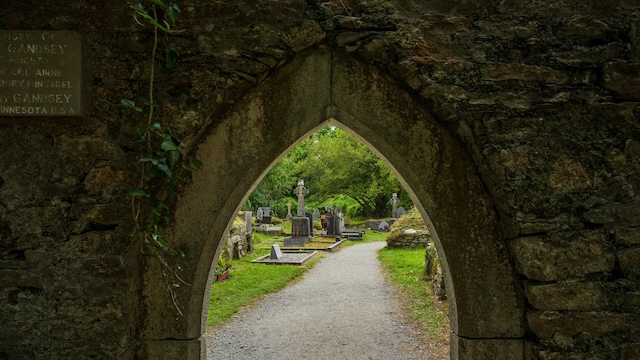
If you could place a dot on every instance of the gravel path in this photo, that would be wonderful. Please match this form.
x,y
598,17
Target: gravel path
x,y
341,309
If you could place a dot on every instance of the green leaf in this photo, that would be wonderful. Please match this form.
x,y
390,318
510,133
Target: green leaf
x,y
140,193
128,103
174,157
173,13
167,143
155,127
154,161
162,166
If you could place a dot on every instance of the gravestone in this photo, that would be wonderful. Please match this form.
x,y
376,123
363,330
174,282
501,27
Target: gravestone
x,y
41,73
384,226
394,204
399,212
316,215
259,215
276,253
289,210
334,222
247,219
300,224
266,216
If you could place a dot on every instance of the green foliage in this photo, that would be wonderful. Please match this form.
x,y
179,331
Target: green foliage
x,y
338,170
163,162
249,282
405,267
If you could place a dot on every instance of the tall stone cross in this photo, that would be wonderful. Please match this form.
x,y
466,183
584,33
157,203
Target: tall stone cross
x,y
394,204
301,191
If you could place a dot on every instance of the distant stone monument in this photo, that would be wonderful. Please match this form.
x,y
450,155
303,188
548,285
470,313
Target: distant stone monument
x,y
334,222
394,204
399,212
289,216
300,224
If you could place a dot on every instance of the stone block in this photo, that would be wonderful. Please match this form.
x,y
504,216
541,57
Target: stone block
x,y
495,349
175,349
101,214
105,181
629,259
623,79
627,236
563,255
614,213
547,323
500,72
630,352
573,296
569,175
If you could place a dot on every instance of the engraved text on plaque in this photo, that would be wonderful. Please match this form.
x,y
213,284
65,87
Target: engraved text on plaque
x,y
40,73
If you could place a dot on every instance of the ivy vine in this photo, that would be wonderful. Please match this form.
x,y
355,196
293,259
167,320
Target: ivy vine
x,y
163,162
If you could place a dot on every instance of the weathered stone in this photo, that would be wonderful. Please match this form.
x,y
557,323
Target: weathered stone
x,y
101,214
571,296
582,27
530,224
546,323
569,175
498,349
629,259
627,235
563,255
307,34
105,182
612,213
623,79
632,299
523,73
630,352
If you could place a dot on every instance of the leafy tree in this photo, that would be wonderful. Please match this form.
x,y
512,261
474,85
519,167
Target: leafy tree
x,y
338,170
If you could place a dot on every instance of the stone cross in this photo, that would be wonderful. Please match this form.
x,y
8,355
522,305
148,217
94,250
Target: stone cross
x,y
289,210
394,204
301,191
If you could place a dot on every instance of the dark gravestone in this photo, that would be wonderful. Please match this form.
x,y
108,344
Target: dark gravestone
x,y
334,223
300,231
41,73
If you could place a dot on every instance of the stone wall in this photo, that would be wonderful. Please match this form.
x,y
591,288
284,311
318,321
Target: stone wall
x,y
543,96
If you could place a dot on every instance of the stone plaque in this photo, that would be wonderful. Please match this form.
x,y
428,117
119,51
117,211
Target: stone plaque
x,y
41,73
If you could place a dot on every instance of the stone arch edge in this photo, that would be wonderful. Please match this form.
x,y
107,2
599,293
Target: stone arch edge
x,y
310,99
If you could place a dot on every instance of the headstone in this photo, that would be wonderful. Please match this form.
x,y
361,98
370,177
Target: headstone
x,y
289,210
300,191
41,73
316,215
300,225
276,253
259,214
399,212
266,216
384,226
394,204
334,222
247,219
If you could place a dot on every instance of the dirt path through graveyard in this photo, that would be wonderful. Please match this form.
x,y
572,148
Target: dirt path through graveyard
x,y
341,309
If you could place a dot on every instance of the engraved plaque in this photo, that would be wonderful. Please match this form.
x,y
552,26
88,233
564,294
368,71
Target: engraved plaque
x,y
41,73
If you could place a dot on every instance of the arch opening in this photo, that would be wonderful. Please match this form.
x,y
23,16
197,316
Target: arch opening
x,y
321,87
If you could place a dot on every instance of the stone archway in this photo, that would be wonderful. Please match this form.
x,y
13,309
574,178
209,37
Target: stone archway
x,y
486,309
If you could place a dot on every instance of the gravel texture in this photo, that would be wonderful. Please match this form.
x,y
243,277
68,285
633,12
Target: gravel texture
x,y
341,309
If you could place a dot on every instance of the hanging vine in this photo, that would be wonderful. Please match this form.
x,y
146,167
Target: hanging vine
x,y
163,162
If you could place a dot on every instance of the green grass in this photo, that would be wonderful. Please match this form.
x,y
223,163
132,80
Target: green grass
x,y
249,282
405,267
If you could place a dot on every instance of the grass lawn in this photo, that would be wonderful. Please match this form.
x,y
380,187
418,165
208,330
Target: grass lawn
x,y
405,267
249,282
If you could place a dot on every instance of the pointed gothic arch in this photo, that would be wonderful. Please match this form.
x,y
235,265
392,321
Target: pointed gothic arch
x,y
486,309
